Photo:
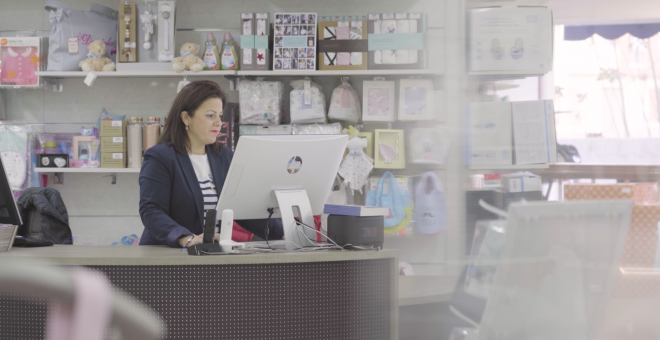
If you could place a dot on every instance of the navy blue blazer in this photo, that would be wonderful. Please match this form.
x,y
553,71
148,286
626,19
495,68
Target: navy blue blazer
x,y
171,201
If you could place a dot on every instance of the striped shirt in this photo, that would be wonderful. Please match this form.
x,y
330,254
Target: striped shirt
x,y
203,171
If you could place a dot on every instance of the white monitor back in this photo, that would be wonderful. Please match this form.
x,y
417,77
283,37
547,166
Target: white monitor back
x,y
558,267
263,164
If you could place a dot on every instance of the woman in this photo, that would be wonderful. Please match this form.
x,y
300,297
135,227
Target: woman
x,y
182,176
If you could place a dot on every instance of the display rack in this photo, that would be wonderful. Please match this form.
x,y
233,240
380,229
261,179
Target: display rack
x,y
506,168
373,73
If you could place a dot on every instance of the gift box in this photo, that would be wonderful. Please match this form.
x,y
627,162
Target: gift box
x,y
343,45
20,60
397,41
640,193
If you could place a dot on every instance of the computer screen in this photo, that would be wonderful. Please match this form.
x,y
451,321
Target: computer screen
x,y
8,210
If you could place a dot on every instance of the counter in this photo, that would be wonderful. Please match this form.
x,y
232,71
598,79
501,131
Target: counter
x,y
313,295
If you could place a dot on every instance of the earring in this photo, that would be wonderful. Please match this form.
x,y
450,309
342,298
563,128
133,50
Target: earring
x,y
186,127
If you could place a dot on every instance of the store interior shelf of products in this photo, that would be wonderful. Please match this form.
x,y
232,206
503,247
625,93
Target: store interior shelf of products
x,y
80,74
506,168
87,170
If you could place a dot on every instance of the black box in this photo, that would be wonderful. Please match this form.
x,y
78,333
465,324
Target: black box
x,y
53,160
356,230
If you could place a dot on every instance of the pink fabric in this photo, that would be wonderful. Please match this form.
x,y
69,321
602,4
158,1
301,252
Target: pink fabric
x,y
89,316
345,99
317,225
19,66
239,234
343,33
343,58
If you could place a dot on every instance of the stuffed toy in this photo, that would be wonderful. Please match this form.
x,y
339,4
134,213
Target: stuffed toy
x,y
188,61
96,59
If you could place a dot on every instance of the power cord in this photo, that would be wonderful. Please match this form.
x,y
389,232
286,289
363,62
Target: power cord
x,y
271,211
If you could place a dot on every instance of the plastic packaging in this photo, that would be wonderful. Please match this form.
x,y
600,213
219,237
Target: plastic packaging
x,y
151,133
404,184
260,102
211,55
345,103
316,129
135,143
307,102
229,57
15,153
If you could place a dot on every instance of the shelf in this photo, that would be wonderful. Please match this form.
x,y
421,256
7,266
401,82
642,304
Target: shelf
x,y
506,168
88,170
650,173
373,73
172,74
80,74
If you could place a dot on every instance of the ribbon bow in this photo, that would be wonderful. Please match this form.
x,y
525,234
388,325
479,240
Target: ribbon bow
x,y
355,152
90,54
184,53
55,15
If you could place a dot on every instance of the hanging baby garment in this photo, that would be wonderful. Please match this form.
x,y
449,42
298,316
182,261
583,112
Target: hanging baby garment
x,y
430,205
345,103
307,102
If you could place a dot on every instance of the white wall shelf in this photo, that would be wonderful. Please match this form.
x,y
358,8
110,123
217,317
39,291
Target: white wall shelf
x,y
484,169
373,73
80,74
146,74
88,170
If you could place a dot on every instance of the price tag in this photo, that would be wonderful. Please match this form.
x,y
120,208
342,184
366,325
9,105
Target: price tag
x,y
342,24
117,139
388,16
117,123
374,16
129,44
181,85
402,16
73,45
117,156
308,92
356,23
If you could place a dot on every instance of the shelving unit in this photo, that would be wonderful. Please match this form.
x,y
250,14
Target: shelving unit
x,y
88,170
506,168
373,73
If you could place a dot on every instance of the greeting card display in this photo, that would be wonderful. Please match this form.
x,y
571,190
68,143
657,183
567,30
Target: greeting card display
x,y
295,42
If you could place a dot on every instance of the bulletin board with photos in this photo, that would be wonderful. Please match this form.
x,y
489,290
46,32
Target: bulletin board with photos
x,y
295,41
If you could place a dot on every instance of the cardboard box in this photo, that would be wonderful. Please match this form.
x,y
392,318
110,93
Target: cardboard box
x,y
640,193
518,40
127,41
521,182
534,134
113,144
113,160
113,128
490,138
329,46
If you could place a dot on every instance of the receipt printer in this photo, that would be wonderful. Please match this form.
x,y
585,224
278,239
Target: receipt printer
x,y
357,230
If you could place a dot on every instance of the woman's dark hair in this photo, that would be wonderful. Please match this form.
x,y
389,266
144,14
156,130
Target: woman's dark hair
x,y
189,99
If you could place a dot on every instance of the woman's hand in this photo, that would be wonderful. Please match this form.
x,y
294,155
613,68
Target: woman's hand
x,y
198,239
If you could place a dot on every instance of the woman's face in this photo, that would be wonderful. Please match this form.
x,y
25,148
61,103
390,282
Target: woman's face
x,y
204,125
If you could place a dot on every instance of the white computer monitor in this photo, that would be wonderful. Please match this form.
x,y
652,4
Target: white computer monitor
x,y
559,264
282,172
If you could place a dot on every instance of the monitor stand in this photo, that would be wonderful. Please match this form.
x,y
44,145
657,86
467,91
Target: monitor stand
x,y
288,200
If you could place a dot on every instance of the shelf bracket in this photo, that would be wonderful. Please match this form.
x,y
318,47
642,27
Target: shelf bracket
x,y
58,177
56,83
114,177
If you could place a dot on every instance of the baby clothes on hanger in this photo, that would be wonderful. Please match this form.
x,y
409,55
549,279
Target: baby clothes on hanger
x,y
19,66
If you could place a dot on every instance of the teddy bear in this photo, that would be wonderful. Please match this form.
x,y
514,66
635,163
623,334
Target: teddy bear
x,y
96,59
188,61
